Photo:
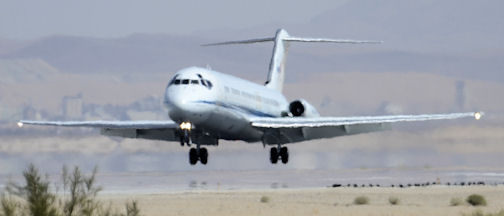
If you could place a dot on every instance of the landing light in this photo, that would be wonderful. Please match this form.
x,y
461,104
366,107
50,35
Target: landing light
x,y
20,124
185,126
477,115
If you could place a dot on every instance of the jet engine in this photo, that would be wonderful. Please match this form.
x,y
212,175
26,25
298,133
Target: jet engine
x,y
301,108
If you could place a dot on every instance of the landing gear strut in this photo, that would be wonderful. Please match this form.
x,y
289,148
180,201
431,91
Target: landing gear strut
x,y
283,154
198,153
185,137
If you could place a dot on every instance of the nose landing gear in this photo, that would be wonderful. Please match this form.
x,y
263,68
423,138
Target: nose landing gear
x,y
280,152
185,137
197,153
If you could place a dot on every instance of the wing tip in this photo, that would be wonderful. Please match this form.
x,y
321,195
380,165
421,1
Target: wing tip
x,y
478,115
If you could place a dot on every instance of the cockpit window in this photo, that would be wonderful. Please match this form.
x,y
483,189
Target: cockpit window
x,y
202,80
174,79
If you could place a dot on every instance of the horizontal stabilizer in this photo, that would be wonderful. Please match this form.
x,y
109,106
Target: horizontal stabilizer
x,y
281,42
258,40
295,39
299,39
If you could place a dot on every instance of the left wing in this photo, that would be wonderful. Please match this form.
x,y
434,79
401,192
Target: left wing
x,y
156,130
105,124
297,129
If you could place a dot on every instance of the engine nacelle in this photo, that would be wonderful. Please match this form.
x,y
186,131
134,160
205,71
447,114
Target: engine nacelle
x,y
301,108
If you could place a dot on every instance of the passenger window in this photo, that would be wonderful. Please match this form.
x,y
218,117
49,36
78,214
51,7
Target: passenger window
x,y
176,82
194,82
185,81
236,92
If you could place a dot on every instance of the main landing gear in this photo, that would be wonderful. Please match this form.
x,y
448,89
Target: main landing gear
x,y
282,154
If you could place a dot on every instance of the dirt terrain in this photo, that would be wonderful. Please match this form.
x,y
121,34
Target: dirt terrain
x,y
434,200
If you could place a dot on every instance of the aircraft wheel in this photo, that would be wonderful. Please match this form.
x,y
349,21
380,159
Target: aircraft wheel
x,y
193,156
274,155
203,155
284,154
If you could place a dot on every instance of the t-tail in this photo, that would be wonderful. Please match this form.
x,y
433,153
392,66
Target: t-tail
x,y
281,41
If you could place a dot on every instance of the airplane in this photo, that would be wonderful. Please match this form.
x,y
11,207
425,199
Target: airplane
x,y
206,106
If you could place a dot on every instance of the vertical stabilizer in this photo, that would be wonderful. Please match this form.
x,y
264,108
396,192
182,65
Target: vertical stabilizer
x,y
282,39
276,73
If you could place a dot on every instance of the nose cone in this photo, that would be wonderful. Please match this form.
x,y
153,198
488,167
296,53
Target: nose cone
x,y
187,104
176,101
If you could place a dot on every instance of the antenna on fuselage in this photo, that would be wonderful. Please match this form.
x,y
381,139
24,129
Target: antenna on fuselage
x,y
281,41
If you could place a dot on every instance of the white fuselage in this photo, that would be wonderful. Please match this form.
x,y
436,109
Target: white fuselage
x,y
221,104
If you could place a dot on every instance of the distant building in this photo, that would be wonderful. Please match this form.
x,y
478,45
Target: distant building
x,y
30,113
460,97
388,108
71,107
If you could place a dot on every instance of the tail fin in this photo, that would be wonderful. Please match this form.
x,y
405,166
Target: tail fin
x,y
281,41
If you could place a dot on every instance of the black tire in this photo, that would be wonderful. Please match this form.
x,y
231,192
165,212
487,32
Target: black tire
x,y
284,154
283,150
203,155
274,155
193,156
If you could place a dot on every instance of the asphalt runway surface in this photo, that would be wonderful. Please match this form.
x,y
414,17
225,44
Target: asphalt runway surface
x,y
166,182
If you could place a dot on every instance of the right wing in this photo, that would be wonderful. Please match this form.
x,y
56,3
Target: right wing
x,y
297,129
155,130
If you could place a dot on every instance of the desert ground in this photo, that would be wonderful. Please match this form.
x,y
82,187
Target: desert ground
x,y
433,200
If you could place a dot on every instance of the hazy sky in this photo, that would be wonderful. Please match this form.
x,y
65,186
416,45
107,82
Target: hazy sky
x,y
112,18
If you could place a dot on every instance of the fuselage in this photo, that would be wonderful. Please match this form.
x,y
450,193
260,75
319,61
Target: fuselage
x,y
220,104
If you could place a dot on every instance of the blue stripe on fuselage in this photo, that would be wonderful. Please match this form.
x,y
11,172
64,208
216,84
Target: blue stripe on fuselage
x,y
237,108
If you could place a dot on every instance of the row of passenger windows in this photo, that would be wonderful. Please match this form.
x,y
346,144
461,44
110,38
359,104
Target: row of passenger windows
x,y
251,96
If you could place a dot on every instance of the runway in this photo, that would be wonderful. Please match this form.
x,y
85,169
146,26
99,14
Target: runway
x,y
167,182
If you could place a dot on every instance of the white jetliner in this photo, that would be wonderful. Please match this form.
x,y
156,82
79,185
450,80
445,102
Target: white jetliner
x,y
206,106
